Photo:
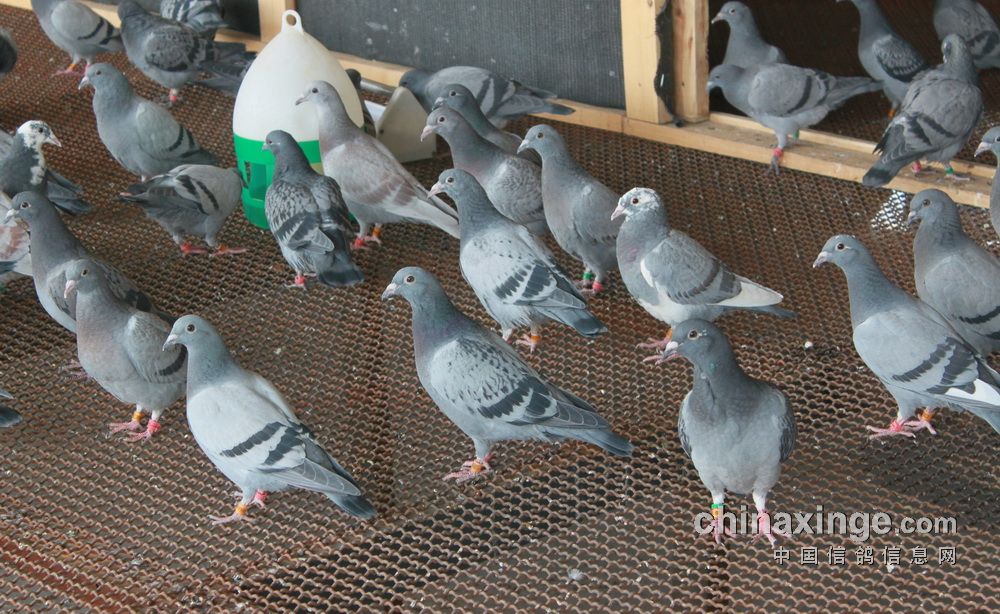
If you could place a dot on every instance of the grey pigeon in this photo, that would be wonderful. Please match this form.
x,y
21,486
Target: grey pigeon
x,y
459,98
672,276
737,430
977,27
205,16
991,142
8,53
937,117
785,98
886,56
121,348
8,417
500,98
141,135
746,48
483,386
369,123
192,199
167,51
23,169
953,274
377,188
59,187
308,217
511,271
53,248
513,184
76,29
14,244
245,427
578,207
915,352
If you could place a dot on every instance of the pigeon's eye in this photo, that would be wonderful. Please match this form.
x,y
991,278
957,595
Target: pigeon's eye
x,y
541,134
997,140
441,119
450,180
409,279
84,273
25,205
841,247
190,328
98,73
693,334
635,200
315,90
453,93
732,11
926,202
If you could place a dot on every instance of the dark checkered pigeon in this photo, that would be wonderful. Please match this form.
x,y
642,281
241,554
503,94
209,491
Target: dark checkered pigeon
x,y
205,16
974,24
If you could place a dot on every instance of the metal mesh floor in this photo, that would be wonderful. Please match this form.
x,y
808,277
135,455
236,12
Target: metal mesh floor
x,y
88,522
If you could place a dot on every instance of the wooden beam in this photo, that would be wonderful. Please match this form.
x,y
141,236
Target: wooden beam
x,y
816,152
640,59
269,13
691,58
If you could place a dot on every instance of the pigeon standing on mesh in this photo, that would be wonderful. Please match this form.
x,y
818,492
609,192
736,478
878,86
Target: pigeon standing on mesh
x,y
76,29
23,169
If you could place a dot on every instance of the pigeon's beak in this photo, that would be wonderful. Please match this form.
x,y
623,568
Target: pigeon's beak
x,y
11,214
438,102
822,259
525,145
670,351
70,286
83,82
426,132
53,140
618,212
265,147
390,290
911,219
5,395
717,18
170,342
711,85
437,188
983,148
301,99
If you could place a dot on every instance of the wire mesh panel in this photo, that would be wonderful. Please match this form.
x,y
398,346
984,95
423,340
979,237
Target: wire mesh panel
x,y
92,522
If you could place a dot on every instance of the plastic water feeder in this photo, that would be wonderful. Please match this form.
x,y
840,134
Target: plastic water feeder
x,y
266,102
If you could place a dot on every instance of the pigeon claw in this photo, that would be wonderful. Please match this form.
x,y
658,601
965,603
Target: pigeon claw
x,y
530,341
259,499
298,282
718,529
133,425
225,250
776,154
362,241
655,344
151,428
471,470
187,249
764,529
896,428
240,513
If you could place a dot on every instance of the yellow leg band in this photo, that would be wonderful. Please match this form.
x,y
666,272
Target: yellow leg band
x,y
137,416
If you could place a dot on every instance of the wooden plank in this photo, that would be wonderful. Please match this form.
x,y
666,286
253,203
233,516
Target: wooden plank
x,y
823,159
640,59
110,12
691,58
269,14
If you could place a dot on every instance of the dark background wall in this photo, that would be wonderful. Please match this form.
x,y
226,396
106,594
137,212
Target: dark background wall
x,y
572,47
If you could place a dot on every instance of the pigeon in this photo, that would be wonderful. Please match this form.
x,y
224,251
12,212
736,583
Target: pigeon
x,y
245,427
205,16
672,276
76,29
974,24
916,353
53,248
192,199
308,217
953,274
8,417
511,271
737,430
23,169
886,56
60,187
991,142
501,99
8,53
121,348
937,117
785,98
746,48
377,188
14,243
141,135
484,386
513,184
369,123
167,51
459,98
578,207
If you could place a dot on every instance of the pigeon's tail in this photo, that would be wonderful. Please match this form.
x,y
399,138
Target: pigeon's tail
x,y
580,320
9,417
895,155
226,76
438,214
73,206
774,310
198,156
229,52
342,272
605,439
355,505
558,109
849,87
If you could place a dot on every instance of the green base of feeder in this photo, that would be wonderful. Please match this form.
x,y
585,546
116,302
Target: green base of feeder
x,y
256,165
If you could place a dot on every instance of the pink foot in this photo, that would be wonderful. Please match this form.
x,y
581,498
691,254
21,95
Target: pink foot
x,y
895,428
187,249
764,529
597,287
118,427
69,71
239,514
917,168
225,250
530,341
718,530
919,424
362,241
74,370
654,344
259,499
151,428
471,470
300,282
776,155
